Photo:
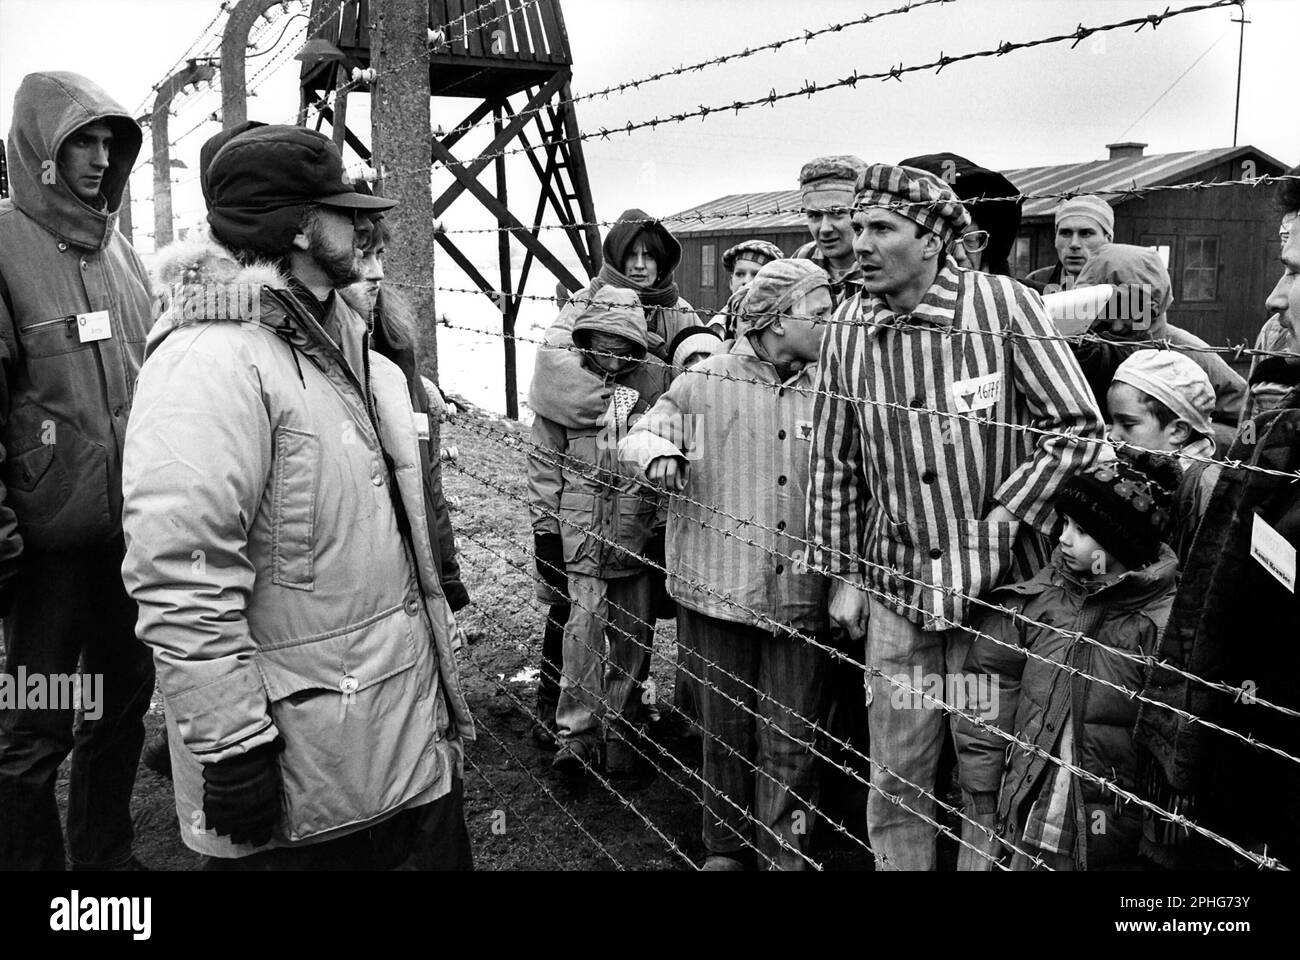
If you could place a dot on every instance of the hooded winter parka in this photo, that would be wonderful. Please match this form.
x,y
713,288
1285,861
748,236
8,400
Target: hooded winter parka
x,y
64,403
577,485
278,548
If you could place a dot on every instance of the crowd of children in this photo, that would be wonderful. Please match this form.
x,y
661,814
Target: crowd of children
x,y
846,485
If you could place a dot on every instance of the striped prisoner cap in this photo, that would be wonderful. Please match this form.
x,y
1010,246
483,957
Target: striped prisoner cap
x,y
920,196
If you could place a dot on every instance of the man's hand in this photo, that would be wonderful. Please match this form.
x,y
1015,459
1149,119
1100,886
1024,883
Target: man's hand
x,y
671,473
849,606
1001,514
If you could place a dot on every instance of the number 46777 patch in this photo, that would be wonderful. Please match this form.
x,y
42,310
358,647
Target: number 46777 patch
x,y
977,393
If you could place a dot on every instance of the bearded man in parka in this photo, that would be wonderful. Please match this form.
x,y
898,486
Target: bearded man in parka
x,y
74,312
278,543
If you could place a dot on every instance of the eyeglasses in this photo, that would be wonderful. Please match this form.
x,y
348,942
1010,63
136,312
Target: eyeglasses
x,y
975,240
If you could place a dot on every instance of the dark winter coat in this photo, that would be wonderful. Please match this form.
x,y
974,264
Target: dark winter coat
x,y
1233,622
63,402
1036,698
388,340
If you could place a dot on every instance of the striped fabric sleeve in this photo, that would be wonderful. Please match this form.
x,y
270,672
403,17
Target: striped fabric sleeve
x,y
837,490
1048,377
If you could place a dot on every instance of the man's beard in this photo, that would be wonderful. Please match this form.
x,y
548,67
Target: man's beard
x,y
341,264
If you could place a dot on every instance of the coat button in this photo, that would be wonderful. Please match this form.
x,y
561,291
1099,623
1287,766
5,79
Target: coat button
x,y
413,606
935,553
918,401
377,480
85,265
117,411
780,524
781,392
780,568
62,245
927,476
780,434
349,684
780,481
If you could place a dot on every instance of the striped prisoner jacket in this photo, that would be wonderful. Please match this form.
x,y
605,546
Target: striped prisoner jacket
x,y
916,439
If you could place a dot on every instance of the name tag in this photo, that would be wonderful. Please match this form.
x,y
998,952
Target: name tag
x,y
1272,552
421,425
977,393
803,430
94,326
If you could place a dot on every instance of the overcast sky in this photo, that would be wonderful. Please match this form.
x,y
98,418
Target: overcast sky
x,y
1040,106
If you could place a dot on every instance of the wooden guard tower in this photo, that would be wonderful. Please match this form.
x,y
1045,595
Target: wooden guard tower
x,y
486,54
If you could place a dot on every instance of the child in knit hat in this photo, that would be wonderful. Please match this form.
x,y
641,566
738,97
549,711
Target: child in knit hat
x,y
1162,400
1112,578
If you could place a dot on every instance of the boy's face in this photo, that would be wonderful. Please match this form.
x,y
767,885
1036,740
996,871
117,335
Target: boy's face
x,y
742,273
1084,555
611,353
1132,422
802,332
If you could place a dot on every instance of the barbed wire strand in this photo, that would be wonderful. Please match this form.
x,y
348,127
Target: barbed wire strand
x,y
515,813
809,89
813,725
480,725
613,711
1144,662
1181,454
1122,793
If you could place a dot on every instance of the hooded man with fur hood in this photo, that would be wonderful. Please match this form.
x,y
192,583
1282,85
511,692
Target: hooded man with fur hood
x,y
278,543
74,312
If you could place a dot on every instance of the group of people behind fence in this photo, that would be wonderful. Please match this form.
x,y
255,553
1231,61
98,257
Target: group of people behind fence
x,y
947,551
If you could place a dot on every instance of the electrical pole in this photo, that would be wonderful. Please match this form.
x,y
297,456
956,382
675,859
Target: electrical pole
x,y
193,72
1241,45
234,47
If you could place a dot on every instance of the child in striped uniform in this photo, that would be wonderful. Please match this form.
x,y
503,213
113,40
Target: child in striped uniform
x,y
733,435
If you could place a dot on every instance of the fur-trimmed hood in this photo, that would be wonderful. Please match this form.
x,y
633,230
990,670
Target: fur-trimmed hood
x,y
195,280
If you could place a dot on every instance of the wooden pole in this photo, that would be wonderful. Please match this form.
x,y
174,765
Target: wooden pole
x,y
401,133
509,304
234,47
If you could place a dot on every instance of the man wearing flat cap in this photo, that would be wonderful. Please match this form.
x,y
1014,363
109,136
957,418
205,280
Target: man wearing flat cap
x,y
826,187
277,539
929,488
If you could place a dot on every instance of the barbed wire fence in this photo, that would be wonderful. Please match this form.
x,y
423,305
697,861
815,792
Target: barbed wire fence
x,y
755,534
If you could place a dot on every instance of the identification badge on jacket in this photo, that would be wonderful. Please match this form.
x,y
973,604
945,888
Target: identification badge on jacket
x,y
977,393
1272,552
94,326
421,425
